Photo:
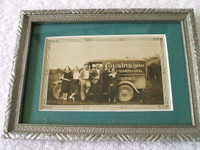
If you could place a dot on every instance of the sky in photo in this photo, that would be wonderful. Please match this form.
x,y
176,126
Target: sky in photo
x,y
76,51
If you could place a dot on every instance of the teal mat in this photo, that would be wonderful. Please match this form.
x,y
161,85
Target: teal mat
x,y
181,114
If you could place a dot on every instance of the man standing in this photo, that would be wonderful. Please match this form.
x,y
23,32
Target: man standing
x,y
84,80
97,82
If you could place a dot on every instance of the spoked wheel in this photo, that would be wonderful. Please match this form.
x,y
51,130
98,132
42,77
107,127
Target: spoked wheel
x,y
56,91
126,93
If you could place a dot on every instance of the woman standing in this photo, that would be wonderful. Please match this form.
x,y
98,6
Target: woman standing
x,y
75,84
66,82
112,80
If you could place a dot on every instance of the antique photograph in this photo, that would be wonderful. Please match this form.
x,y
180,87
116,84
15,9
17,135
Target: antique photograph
x,y
106,73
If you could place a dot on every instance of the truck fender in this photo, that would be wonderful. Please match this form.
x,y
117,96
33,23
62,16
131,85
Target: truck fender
x,y
57,82
130,83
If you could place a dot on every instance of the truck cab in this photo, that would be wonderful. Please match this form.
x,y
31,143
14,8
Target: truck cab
x,y
132,76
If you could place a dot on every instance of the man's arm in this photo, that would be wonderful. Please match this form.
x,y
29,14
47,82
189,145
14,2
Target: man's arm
x,y
81,76
116,79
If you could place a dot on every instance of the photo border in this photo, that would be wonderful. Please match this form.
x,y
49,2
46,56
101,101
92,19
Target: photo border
x,y
165,71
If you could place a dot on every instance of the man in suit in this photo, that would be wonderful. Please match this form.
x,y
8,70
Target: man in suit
x,y
97,82
85,81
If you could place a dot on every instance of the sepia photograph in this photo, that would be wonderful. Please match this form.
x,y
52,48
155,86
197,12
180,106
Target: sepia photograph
x,y
106,73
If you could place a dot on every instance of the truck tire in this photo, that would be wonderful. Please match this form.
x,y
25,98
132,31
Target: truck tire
x,y
125,93
56,91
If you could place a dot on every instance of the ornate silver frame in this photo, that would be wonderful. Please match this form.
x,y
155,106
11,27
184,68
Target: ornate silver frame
x,y
14,129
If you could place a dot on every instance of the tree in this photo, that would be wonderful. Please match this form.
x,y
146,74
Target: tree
x,y
153,64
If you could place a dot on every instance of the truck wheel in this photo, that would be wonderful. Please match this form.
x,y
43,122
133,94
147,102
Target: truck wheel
x,y
56,91
125,93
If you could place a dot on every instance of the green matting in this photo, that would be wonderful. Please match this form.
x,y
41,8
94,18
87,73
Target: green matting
x,y
181,114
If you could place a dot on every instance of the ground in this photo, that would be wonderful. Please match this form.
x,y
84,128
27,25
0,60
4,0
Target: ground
x,y
153,94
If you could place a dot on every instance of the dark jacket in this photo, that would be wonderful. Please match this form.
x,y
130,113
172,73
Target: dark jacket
x,y
95,77
112,81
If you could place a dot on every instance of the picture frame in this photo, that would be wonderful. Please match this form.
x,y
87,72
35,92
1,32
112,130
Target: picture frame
x,y
181,124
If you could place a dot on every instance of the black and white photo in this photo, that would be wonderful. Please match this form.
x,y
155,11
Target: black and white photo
x,y
106,73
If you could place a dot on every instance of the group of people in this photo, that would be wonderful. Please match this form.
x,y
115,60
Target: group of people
x,y
80,82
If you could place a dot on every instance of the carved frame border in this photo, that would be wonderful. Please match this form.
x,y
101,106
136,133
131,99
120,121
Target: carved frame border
x,y
13,129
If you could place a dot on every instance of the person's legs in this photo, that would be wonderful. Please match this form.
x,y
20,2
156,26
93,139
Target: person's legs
x,y
83,85
65,96
95,92
71,96
63,90
109,94
68,90
87,86
74,90
114,94
100,91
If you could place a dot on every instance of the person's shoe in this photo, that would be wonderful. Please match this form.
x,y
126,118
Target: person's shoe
x,y
109,100
70,97
65,98
73,99
114,101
